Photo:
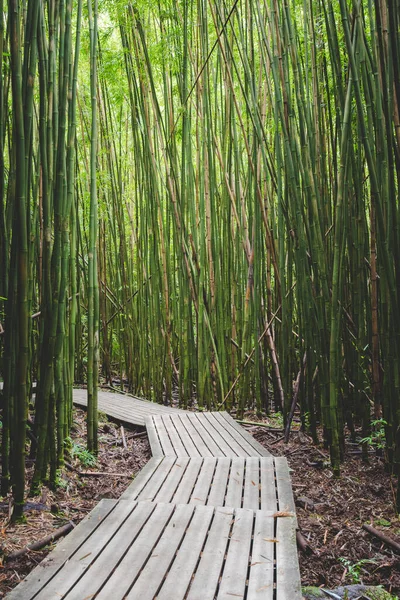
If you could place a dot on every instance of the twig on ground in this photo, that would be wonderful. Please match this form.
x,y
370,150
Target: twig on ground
x,y
42,543
382,537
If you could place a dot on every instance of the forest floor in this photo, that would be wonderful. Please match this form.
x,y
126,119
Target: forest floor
x,y
330,511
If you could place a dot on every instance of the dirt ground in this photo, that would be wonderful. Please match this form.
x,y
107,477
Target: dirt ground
x,y
330,511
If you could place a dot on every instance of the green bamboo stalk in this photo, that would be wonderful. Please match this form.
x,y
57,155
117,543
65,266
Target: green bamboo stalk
x,y
93,290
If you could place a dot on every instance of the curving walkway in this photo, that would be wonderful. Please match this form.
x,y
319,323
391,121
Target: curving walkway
x,y
210,516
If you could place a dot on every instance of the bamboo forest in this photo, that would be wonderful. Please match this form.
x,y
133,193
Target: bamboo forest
x,y
199,205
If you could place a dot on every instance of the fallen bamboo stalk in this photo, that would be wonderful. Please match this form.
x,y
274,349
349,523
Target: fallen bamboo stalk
x,y
137,435
382,537
100,474
42,543
279,439
255,424
125,445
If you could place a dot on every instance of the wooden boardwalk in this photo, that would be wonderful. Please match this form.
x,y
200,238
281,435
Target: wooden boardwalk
x,y
211,516
124,407
200,434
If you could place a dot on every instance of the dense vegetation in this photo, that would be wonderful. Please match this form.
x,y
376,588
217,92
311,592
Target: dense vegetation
x,y
202,198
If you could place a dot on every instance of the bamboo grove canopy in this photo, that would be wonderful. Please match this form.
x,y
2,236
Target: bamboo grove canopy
x,y
203,198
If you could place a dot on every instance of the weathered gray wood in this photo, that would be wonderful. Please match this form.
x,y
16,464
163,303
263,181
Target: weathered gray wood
x,y
234,492
200,444
51,565
136,557
157,566
154,440
156,482
80,561
166,444
142,479
184,436
268,484
98,573
284,485
180,574
287,565
259,448
261,578
188,482
203,483
220,483
172,482
123,407
224,432
233,582
198,422
205,581
179,448
251,494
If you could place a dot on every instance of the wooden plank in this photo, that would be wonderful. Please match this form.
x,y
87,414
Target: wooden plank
x,y
154,440
142,479
188,482
203,483
287,565
172,482
182,569
209,441
184,436
64,549
284,486
166,445
261,577
124,407
198,441
87,553
118,412
97,574
269,499
136,557
205,581
251,494
179,448
234,492
157,566
259,448
224,432
159,478
233,582
220,482
227,424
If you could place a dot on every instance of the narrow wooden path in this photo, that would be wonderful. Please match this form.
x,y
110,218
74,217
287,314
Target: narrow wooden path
x,y
211,516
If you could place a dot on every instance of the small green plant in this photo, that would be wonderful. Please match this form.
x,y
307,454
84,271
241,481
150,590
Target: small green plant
x,y
276,420
68,443
83,455
306,420
60,481
354,569
377,437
